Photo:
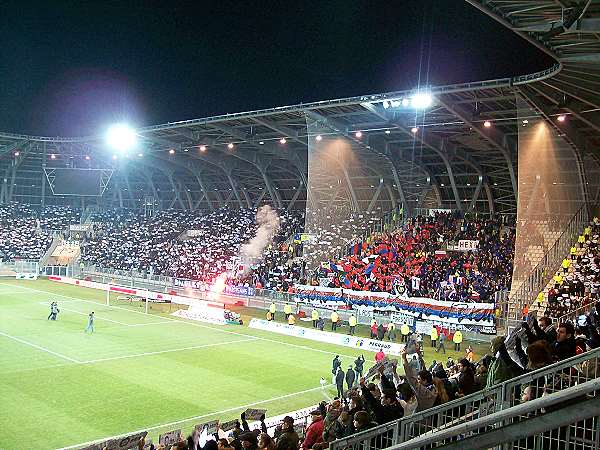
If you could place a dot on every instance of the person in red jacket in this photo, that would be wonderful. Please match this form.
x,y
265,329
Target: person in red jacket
x,y
379,356
314,432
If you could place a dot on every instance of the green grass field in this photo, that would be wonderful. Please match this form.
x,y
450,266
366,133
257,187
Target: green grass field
x,y
62,388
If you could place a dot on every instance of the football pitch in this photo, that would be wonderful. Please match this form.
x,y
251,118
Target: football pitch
x,y
62,388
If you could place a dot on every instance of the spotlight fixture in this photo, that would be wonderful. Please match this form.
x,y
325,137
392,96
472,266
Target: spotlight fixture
x,y
421,100
203,148
525,121
387,131
52,156
140,154
319,137
561,118
282,140
358,134
121,137
261,143
230,146
171,152
87,157
414,130
487,124
17,153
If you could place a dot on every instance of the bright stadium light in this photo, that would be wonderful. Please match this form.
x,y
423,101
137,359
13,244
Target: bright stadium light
x,y
203,148
561,118
171,152
421,100
358,134
230,146
87,157
405,102
52,156
487,124
282,140
121,137
414,130
319,137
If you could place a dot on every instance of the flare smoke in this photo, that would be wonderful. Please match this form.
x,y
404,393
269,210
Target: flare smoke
x,y
268,224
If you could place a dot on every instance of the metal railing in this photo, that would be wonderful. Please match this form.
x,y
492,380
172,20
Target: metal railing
x,y
462,411
10,268
541,274
549,422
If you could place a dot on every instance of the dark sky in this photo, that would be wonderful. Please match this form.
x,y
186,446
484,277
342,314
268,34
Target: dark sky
x,y
73,67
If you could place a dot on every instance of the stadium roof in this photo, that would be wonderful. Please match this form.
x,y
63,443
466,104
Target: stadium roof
x,y
453,158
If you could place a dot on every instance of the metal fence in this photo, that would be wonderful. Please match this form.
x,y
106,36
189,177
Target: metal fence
x,y
541,274
463,411
11,268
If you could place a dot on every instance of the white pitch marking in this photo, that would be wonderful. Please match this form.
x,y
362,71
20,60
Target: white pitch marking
x,y
304,347
177,422
96,317
39,347
158,352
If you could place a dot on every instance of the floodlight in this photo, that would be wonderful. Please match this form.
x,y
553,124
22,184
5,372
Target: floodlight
x,y
414,130
203,148
405,102
171,152
386,104
358,134
52,156
487,124
230,146
421,100
282,140
87,157
319,137
561,118
387,131
17,153
121,137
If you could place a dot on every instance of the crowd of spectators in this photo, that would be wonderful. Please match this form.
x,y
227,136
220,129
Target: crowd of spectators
x,y
26,232
577,283
159,244
417,260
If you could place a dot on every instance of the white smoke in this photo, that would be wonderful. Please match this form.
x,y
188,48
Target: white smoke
x,y
268,224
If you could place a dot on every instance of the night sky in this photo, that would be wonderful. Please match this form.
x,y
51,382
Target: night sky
x,y
71,68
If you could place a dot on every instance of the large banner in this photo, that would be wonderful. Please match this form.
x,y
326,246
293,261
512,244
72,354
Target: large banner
x,y
325,336
476,317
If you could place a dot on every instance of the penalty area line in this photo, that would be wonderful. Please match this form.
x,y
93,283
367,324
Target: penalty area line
x,y
189,419
39,347
289,344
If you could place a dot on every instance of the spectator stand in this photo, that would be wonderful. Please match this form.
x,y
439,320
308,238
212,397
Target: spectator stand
x,y
580,369
526,288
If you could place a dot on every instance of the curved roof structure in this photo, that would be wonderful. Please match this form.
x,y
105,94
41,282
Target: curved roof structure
x,y
453,159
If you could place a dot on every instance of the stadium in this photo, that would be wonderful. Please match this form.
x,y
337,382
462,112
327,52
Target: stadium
x,y
439,245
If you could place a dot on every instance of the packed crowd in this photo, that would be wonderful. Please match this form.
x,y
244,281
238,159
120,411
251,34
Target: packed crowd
x,y
157,244
415,260
577,283
26,232
331,229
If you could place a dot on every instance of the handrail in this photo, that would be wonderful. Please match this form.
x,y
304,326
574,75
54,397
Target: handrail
x,y
496,396
501,416
538,277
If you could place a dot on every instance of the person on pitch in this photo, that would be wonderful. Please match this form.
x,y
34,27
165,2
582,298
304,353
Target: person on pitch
x,y
90,325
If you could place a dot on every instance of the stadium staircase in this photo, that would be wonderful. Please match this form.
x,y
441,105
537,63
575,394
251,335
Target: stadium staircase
x,y
565,415
57,239
525,291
